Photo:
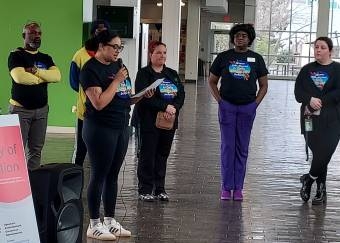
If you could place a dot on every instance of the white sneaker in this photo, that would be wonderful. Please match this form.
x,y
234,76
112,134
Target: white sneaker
x,y
116,229
100,232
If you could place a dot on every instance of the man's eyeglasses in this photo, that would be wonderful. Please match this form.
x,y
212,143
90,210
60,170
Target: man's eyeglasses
x,y
115,47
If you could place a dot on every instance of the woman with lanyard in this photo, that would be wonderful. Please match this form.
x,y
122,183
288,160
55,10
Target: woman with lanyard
x,y
317,88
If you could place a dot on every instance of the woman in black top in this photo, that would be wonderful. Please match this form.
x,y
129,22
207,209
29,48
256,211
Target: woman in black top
x,y
156,143
108,87
242,75
317,88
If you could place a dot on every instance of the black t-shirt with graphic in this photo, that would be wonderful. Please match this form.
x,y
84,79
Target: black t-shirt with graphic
x,y
319,78
169,92
239,72
323,82
29,96
117,113
318,74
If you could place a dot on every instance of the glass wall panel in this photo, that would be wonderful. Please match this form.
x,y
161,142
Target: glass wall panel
x,y
221,42
286,43
334,17
280,43
280,15
334,27
262,42
304,15
263,14
302,48
314,13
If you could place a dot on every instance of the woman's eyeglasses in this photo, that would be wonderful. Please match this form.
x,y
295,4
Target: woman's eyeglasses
x,y
115,47
241,35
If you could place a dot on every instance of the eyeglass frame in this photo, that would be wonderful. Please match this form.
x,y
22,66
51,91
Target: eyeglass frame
x,y
241,35
116,47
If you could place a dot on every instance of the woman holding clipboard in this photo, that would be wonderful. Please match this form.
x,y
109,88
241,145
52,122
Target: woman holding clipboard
x,y
155,141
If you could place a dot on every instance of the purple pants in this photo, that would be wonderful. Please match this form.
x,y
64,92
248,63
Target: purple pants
x,y
236,122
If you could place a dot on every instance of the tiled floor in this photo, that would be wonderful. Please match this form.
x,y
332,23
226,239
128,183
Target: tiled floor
x,y
272,210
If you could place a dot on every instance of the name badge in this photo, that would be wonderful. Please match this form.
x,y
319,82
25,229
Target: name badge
x,y
308,125
250,59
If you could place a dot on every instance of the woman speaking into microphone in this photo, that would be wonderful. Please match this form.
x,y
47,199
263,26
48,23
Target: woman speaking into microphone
x,y
107,87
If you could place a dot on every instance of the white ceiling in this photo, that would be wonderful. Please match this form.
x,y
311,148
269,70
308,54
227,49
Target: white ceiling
x,y
231,3
155,1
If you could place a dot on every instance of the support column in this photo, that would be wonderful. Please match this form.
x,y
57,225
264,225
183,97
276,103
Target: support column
x,y
249,14
87,11
171,25
323,18
249,11
131,45
192,41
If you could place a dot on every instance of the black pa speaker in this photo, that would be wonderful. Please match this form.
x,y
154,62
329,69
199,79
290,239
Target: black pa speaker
x,y
56,190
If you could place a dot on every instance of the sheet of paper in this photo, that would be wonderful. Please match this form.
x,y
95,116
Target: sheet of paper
x,y
151,86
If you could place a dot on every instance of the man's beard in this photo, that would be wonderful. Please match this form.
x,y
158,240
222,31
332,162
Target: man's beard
x,y
35,44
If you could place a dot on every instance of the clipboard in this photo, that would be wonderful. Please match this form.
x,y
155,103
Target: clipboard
x,y
151,86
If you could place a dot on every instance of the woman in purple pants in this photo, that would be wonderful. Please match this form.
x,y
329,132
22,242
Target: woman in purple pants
x,y
239,69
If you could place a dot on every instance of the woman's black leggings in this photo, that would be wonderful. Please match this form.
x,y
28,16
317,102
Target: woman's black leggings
x,y
106,149
323,144
80,150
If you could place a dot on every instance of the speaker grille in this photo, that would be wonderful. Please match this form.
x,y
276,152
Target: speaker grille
x,y
69,223
56,190
68,236
72,186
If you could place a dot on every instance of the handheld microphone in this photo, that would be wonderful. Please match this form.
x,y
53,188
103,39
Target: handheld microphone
x,y
120,63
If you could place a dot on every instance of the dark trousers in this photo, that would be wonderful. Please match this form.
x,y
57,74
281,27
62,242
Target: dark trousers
x,y
107,148
155,150
80,150
33,125
322,144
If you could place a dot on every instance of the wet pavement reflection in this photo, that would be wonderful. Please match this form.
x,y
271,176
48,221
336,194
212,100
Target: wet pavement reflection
x,y
272,210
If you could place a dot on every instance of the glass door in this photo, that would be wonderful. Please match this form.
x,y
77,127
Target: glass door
x,y
220,43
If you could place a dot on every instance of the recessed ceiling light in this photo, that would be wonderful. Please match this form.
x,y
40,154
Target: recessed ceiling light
x,y
159,4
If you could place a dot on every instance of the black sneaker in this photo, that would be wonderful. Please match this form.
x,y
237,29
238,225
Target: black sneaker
x,y
321,194
163,196
146,197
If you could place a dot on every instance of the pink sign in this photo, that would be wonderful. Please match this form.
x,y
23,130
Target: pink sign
x,y
14,181
17,217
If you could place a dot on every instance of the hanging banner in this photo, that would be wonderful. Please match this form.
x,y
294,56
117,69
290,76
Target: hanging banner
x,y
17,217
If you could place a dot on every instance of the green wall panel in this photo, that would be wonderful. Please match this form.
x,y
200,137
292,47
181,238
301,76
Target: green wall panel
x,y
61,24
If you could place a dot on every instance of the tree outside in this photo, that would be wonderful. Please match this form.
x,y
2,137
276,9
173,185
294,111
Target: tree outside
x,y
285,30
